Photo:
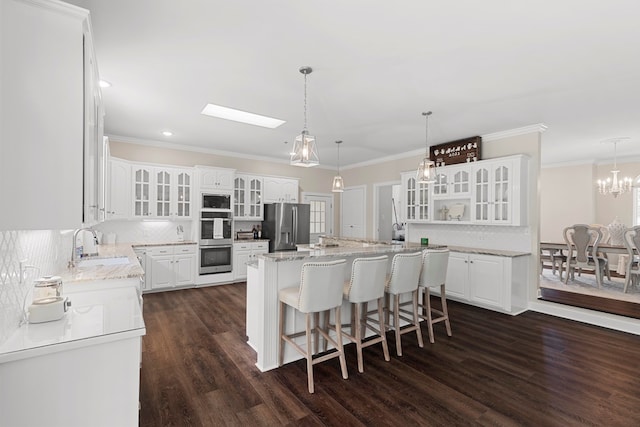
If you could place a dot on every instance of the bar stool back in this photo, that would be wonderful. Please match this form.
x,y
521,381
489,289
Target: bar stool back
x,y
434,273
321,286
367,284
405,273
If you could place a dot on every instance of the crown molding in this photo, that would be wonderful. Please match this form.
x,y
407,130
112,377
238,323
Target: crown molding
x,y
539,127
196,149
59,6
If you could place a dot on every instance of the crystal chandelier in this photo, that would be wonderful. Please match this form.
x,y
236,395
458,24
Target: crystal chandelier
x,y
305,151
427,168
338,183
614,185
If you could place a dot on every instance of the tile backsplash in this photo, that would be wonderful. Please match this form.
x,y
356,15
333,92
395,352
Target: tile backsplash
x,y
43,252
472,235
147,231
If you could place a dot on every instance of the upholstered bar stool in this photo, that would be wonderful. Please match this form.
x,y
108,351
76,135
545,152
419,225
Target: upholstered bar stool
x,y
434,273
405,273
368,279
321,286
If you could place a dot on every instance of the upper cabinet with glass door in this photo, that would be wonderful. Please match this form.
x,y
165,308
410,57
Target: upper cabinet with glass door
x,y
415,198
160,192
452,182
248,197
497,191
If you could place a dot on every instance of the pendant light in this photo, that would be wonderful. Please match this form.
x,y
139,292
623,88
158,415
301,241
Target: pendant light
x,y
305,152
338,183
427,168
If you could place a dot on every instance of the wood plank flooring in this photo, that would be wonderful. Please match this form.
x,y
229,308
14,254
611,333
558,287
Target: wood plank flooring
x,y
527,370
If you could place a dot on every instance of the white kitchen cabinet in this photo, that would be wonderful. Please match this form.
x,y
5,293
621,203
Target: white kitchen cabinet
x,y
172,197
247,197
415,198
488,281
161,192
280,190
211,178
452,182
497,191
42,134
244,252
171,266
119,189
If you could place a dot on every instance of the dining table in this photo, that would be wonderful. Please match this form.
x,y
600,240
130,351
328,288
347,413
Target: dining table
x,y
555,247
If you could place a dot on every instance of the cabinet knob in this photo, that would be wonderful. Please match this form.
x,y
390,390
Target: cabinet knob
x,y
471,262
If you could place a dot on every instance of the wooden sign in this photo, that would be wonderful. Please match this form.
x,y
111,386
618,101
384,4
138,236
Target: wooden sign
x,y
461,151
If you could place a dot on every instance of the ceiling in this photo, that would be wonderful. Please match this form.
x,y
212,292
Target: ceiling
x,y
481,67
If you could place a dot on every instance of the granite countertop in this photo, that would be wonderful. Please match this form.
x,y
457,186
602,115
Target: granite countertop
x,y
367,249
128,270
249,240
184,242
480,251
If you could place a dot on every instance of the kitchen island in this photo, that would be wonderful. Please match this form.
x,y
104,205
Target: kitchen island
x,y
275,271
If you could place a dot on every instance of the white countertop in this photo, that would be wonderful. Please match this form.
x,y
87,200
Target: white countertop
x,y
95,317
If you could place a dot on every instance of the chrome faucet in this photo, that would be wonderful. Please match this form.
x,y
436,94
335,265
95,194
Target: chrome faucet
x,y
72,261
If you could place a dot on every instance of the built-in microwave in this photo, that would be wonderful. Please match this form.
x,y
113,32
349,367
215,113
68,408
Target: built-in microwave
x,y
216,201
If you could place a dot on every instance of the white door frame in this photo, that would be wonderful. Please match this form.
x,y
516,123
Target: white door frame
x,y
364,211
376,188
330,218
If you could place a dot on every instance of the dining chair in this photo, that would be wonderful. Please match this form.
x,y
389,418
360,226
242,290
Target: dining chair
x,y
605,240
582,243
632,243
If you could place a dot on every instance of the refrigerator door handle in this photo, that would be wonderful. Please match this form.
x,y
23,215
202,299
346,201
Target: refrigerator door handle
x,y
294,214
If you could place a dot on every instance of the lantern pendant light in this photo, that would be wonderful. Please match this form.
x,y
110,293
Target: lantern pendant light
x,y
305,152
338,183
427,168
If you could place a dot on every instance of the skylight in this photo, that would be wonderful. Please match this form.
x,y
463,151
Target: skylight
x,y
241,116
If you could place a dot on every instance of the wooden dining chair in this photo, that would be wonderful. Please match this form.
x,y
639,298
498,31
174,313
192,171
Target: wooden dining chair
x,y
582,243
632,243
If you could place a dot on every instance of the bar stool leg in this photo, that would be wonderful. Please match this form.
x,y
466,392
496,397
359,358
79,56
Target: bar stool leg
x,y
358,335
383,329
427,295
445,311
281,320
309,352
343,360
396,323
416,321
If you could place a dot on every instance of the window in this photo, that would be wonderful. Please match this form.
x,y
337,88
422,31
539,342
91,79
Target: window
x,y
318,209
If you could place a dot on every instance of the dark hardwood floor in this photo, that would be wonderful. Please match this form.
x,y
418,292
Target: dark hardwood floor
x,y
530,369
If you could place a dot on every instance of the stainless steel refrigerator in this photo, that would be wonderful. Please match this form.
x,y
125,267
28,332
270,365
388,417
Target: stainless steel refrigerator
x,y
285,225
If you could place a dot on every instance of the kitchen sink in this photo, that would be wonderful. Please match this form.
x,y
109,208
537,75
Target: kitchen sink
x,y
94,262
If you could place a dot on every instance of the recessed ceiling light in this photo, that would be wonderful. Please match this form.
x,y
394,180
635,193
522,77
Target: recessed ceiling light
x,y
167,133
241,116
104,83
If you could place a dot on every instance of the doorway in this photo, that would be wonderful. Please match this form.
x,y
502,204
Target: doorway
x,y
388,223
320,214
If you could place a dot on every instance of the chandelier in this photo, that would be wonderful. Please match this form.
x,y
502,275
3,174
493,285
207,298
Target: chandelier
x,y
305,152
338,183
614,185
427,168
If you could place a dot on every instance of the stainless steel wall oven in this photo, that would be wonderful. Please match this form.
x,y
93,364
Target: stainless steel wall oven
x,y
216,241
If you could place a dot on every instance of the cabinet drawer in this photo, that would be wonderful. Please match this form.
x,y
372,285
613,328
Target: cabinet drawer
x,y
261,246
160,250
242,246
184,249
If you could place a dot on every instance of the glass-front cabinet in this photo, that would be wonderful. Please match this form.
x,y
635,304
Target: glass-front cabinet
x,y
162,192
248,197
495,200
415,198
141,191
483,192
